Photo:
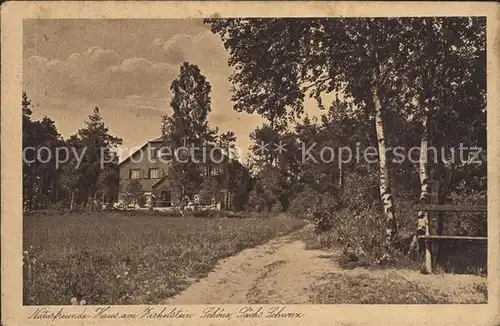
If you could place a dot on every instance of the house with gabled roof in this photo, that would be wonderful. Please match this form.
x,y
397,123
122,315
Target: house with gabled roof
x,y
145,166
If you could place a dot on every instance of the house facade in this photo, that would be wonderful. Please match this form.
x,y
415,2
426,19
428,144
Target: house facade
x,y
151,172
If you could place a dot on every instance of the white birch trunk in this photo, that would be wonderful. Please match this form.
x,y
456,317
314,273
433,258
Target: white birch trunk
x,y
423,216
385,186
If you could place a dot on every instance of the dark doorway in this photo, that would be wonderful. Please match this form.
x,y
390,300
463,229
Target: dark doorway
x,y
165,199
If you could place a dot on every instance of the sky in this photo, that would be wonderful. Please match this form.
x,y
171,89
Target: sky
x,y
125,67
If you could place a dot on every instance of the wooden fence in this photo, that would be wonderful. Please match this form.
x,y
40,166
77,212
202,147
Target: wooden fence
x,y
438,237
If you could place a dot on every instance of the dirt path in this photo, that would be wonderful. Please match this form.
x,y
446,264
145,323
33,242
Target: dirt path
x,y
283,271
280,271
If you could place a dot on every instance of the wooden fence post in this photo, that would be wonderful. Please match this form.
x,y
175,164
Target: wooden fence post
x,y
428,246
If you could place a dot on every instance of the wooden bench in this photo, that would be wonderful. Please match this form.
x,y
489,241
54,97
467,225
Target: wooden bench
x,y
446,208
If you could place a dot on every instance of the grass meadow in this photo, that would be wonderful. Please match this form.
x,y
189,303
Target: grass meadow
x,y
121,258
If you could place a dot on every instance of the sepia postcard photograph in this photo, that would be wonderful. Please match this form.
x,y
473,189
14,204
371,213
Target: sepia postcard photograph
x,y
249,162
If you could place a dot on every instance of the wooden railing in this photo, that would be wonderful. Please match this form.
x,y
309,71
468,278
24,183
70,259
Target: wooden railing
x,y
451,208
446,208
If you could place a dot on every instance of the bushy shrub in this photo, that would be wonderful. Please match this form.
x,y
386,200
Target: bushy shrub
x,y
361,190
322,223
257,203
360,233
310,204
277,208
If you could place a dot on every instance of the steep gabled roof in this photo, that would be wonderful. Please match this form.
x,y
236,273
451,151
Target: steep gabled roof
x,y
160,140
156,140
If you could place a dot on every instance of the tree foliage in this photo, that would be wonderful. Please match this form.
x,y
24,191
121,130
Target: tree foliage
x,y
403,68
52,173
187,127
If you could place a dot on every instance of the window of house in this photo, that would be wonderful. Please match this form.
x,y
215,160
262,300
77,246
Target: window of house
x,y
216,171
154,153
154,173
135,174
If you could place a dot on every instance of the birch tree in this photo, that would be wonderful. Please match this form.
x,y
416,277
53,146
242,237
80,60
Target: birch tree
x,y
447,85
278,62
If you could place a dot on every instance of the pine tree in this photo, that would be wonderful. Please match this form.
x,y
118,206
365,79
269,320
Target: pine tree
x,y
97,144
